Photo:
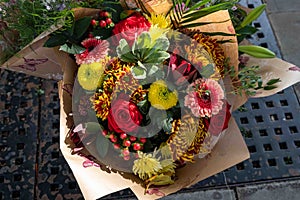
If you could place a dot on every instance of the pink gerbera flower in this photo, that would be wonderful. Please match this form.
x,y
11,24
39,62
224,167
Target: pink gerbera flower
x,y
204,98
96,50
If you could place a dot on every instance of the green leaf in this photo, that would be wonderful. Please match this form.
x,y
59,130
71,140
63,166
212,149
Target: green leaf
x,y
74,49
273,81
256,51
205,11
56,40
253,15
81,26
197,5
270,87
124,52
218,33
167,124
157,57
247,30
102,145
162,44
192,25
153,69
144,106
138,72
93,127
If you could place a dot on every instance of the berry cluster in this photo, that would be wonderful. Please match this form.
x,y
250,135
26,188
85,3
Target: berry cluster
x,y
125,143
104,20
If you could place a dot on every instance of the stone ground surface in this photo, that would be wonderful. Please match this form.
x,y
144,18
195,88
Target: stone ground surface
x,y
284,16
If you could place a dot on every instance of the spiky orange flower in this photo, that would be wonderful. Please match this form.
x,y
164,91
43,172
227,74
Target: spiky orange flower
x,y
187,138
214,49
117,79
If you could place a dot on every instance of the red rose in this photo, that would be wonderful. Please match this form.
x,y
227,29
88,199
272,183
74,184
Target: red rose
x,y
124,116
130,27
217,123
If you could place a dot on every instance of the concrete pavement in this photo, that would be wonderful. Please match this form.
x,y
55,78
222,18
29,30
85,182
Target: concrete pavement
x,y
284,17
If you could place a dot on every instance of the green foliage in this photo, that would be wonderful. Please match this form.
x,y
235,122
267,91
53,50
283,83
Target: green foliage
x,y
256,51
147,53
249,81
31,18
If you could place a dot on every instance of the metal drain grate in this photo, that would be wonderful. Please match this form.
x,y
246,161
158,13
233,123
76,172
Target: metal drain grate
x,y
270,127
18,129
55,178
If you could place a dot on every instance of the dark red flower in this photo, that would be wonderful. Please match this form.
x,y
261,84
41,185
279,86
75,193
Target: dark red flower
x,y
124,117
219,122
181,71
130,27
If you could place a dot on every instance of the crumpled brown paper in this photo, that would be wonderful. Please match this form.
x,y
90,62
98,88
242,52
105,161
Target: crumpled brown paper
x,y
230,150
40,61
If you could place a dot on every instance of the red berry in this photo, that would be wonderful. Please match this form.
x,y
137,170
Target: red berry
x,y
125,152
91,35
108,21
113,138
126,157
93,22
116,146
105,14
123,136
136,146
104,132
143,140
132,138
102,23
127,143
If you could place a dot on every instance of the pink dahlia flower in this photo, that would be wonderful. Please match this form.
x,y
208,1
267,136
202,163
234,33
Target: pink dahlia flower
x,y
204,98
95,51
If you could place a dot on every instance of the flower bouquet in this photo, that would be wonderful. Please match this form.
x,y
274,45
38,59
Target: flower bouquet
x,y
148,90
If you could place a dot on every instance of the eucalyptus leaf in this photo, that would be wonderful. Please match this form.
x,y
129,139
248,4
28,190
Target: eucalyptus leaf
x,y
270,87
102,145
73,49
273,81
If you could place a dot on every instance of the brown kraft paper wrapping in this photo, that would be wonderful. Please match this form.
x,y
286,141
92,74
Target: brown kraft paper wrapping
x,y
230,150
36,60
95,183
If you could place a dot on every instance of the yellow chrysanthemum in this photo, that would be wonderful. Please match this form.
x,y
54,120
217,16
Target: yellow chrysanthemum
x,y
157,32
168,166
90,75
188,138
160,20
161,97
146,165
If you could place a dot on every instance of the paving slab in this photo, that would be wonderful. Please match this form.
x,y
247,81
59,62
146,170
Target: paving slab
x,y
275,6
289,190
284,17
220,194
